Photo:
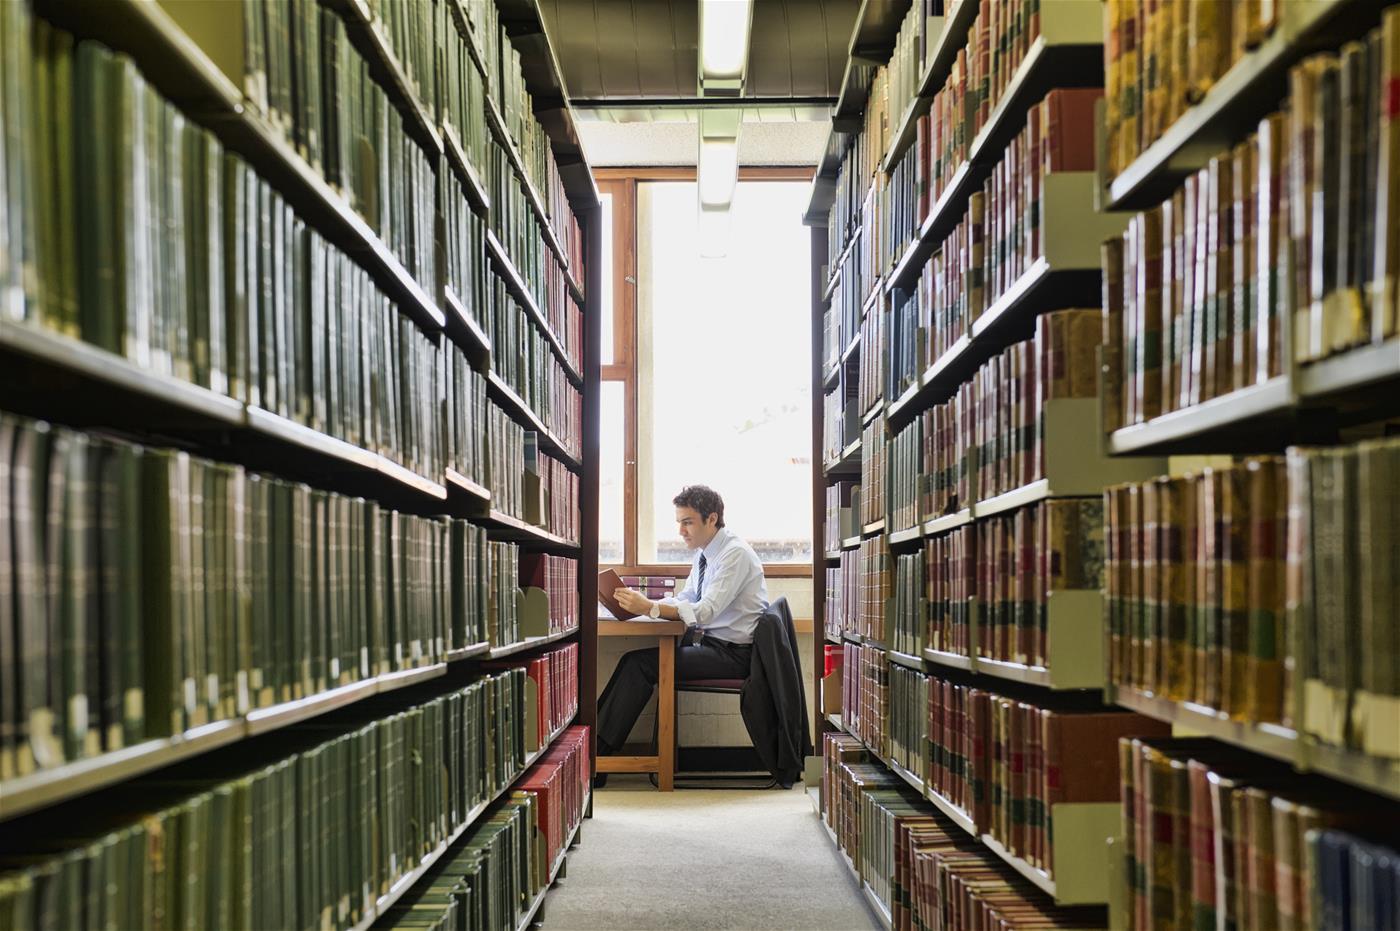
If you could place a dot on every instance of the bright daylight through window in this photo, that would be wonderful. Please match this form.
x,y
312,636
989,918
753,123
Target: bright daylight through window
x,y
723,369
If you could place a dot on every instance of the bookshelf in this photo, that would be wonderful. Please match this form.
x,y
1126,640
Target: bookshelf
x,y
406,588
1289,425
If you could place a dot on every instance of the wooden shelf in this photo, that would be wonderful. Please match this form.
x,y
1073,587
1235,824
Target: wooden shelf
x,y
871,415
503,526
873,528
848,464
1272,740
362,467
1362,369
520,290
1269,402
851,349
46,373
457,483
505,396
182,72
81,777
936,525
461,163
908,535
465,331
1235,104
850,543
468,652
951,660
907,660
530,643
881,910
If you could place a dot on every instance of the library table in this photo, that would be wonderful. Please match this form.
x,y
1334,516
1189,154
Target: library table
x,y
664,763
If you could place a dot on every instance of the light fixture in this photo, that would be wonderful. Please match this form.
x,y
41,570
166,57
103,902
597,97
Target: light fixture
x,y
724,45
718,171
713,230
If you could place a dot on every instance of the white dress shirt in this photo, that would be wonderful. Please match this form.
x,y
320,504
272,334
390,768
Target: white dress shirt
x,y
733,596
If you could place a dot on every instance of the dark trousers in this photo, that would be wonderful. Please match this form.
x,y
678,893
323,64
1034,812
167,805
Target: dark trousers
x,y
635,677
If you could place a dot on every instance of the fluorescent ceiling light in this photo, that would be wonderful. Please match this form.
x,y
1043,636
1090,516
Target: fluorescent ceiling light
x,y
724,39
718,171
713,233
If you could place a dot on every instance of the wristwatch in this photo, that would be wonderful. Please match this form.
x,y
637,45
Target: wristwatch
x,y
655,611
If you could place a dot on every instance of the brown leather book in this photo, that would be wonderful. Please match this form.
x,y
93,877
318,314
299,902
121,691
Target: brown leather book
x,y
609,582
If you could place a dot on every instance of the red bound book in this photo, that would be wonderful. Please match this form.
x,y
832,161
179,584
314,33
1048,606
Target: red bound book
x,y
1067,123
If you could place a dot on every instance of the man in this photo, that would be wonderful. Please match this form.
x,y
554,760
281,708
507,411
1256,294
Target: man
x,y
722,601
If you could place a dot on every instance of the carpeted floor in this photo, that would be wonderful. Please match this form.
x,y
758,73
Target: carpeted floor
x,y
704,861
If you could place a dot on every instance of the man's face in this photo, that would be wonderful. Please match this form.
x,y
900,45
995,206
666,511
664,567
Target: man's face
x,y
696,531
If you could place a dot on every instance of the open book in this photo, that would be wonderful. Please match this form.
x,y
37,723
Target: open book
x,y
609,582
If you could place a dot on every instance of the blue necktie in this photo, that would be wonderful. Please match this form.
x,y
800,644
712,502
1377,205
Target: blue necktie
x,y
700,583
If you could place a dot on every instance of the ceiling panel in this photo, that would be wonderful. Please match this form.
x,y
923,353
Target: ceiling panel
x,y
647,48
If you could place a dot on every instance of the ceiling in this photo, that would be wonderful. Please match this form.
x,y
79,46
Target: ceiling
x,y
630,67
647,48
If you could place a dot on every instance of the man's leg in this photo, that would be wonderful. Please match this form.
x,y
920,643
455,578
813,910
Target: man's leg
x,y
627,693
713,658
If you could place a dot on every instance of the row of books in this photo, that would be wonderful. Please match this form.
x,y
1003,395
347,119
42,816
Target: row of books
x,y
1215,837
304,75
926,871
865,693
843,595
874,470
1006,763
502,591
1001,236
362,804
155,591
873,349
844,311
560,781
841,413
1012,564
557,577
560,514
505,448
554,673
1161,59
842,513
521,233
501,865
506,85
191,266
990,437
1235,586
433,51
919,32
522,357
466,408
854,186
1291,227
876,587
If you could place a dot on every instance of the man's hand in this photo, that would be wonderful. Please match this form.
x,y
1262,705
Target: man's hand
x,y
635,602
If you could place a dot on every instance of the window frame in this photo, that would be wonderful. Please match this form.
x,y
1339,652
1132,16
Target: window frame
x,y
621,183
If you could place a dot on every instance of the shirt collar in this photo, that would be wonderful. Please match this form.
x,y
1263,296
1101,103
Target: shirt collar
x,y
712,549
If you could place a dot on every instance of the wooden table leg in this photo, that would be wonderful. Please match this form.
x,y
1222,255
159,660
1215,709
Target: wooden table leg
x,y
666,711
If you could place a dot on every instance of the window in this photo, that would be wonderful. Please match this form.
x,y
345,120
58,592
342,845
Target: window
x,y
717,349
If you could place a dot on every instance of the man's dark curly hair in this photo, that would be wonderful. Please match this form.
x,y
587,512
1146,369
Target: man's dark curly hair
x,y
704,501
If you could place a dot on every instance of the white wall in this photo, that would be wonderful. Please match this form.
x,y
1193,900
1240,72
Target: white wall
x,y
711,720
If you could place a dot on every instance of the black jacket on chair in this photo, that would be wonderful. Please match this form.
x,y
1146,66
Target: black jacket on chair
x,y
773,701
